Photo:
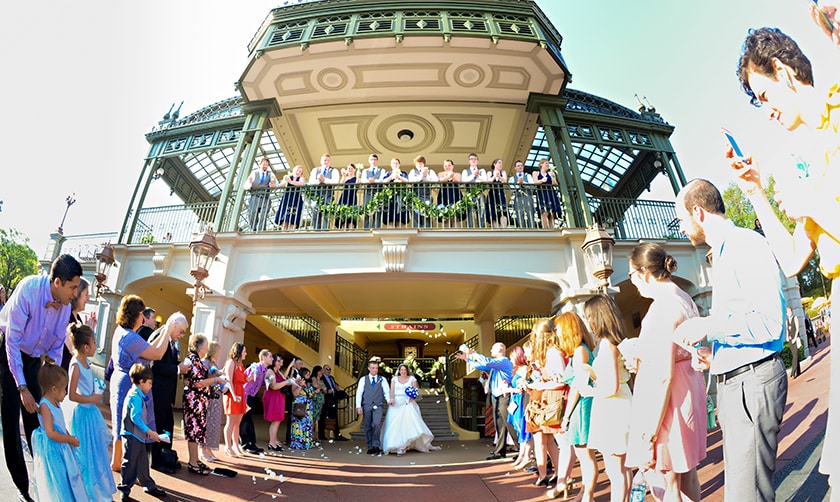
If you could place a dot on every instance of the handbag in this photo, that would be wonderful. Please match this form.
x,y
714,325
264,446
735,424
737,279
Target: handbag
x,y
330,424
546,409
299,410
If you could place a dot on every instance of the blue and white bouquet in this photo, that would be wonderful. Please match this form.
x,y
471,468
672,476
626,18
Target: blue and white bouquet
x,y
411,392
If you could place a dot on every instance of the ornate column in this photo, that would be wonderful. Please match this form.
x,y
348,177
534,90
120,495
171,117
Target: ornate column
x,y
326,347
220,319
486,336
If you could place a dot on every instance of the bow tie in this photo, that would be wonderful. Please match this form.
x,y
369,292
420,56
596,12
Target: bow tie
x,y
53,304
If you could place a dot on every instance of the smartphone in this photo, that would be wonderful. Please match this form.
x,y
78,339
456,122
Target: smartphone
x,y
732,142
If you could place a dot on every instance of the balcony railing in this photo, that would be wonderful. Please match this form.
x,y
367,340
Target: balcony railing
x,y
437,206
172,223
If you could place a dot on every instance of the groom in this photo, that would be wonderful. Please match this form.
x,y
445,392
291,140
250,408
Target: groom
x,y
371,402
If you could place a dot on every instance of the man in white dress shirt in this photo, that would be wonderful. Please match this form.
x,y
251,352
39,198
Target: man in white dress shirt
x,y
474,174
371,179
322,175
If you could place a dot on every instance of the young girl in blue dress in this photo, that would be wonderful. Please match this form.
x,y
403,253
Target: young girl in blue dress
x,y
56,472
85,420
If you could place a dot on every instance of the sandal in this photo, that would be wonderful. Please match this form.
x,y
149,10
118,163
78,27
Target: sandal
x,y
202,465
195,469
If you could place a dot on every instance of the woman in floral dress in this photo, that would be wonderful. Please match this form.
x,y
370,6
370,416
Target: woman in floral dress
x,y
317,397
197,384
302,426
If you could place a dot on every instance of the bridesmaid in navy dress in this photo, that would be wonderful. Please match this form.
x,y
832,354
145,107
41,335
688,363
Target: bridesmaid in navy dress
x,y
291,205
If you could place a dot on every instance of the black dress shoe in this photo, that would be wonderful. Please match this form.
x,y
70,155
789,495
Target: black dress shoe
x,y
371,451
257,448
155,492
341,438
124,497
495,456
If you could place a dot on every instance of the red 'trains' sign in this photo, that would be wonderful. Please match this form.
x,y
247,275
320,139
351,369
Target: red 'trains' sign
x,y
418,326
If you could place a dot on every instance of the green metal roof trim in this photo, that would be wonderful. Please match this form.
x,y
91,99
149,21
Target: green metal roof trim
x,y
304,23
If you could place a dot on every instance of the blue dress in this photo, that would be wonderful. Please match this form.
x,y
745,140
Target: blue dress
x,y
547,196
125,352
55,466
578,432
496,202
517,418
291,205
86,423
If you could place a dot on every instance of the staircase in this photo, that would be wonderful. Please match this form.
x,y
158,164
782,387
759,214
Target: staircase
x,y
433,409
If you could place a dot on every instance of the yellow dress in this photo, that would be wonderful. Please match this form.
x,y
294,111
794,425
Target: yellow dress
x,y
829,249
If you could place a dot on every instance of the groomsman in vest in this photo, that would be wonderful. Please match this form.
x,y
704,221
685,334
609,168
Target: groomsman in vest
x,y
260,201
370,402
33,325
372,179
166,372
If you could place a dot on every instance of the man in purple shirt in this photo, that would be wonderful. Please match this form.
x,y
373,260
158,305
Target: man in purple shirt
x,y
33,325
256,379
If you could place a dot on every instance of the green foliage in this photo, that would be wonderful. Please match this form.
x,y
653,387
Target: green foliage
x,y
17,259
787,357
741,212
403,194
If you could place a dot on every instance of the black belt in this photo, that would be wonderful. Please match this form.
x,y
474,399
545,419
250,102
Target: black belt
x,y
743,369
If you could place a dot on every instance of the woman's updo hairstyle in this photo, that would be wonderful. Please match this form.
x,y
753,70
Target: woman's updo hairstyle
x,y
652,258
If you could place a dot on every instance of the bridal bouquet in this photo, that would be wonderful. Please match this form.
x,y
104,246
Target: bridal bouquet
x,y
411,392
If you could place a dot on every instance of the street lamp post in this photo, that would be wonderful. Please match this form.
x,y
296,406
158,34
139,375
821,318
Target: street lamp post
x,y
598,253
70,201
203,251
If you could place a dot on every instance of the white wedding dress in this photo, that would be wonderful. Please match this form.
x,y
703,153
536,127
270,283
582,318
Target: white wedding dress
x,y
404,427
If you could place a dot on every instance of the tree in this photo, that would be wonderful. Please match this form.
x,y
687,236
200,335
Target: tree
x,y
17,259
740,211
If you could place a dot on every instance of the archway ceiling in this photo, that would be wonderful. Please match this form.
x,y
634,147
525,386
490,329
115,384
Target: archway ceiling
x,y
466,95
406,296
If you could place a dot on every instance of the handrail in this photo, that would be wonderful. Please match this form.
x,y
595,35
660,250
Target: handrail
x,y
511,330
305,329
456,369
347,409
350,357
465,412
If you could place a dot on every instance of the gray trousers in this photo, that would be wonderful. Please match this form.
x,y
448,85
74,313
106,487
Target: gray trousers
x,y
373,425
750,408
135,465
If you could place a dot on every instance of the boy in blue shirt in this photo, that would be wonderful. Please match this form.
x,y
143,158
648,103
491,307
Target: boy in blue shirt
x,y
137,436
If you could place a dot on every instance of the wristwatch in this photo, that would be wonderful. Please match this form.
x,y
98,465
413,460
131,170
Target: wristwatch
x,y
21,388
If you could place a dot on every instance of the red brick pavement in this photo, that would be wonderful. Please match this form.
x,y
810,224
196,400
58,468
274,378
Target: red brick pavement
x,y
457,472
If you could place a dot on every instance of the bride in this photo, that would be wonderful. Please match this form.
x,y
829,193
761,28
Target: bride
x,y
404,427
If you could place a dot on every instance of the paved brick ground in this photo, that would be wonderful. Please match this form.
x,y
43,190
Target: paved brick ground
x,y
341,471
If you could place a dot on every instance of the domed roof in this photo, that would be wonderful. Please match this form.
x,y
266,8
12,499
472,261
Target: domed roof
x,y
590,103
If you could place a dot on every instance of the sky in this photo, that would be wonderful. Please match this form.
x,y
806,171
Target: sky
x,y
83,82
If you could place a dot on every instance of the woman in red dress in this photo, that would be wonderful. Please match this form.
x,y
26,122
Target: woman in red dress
x,y
234,399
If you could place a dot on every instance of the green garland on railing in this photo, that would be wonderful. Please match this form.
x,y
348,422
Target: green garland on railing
x,y
402,193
